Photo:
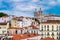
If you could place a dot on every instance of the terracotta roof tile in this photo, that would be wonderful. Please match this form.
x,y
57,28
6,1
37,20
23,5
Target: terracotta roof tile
x,y
3,23
5,16
47,38
52,22
22,36
16,28
21,16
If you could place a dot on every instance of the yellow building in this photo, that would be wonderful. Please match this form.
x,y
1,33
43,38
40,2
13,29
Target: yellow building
x,y
14,22
3,28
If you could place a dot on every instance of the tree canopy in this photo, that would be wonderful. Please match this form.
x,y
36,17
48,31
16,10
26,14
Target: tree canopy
x,y
36,20
3,14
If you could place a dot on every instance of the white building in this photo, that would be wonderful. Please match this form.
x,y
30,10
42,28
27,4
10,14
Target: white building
x,y
6,18
3,28
24,22
50,28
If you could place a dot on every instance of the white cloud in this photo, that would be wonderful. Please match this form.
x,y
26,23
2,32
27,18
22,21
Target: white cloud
x,y
58,2
52,3
16,0
35,0
17,13
19,6
29,7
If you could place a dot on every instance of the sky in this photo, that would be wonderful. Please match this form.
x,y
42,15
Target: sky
x,y
27,7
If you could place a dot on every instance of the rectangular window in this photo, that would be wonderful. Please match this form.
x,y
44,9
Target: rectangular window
x,y
47,27
15,24
52,27
0,27
52,34
3,32
42,28
57,28
48,34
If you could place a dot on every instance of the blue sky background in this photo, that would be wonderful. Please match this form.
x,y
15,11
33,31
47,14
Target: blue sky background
x,y
26,7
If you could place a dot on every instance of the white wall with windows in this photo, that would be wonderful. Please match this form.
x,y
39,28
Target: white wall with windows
x,y
49,30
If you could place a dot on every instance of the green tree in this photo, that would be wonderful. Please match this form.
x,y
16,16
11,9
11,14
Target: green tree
x,y
36,20
3,14
58,39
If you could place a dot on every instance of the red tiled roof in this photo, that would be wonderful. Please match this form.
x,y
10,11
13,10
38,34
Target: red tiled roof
x,y
21,16
15,28
3,23
52,21
14,18
18,28
5,16
48,38
22,36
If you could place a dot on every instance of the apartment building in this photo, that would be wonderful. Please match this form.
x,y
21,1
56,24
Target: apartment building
x,y
50,28
3,28
14,22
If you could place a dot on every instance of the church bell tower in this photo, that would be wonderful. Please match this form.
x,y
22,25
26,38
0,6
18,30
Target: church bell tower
x,y
40,12
35,13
